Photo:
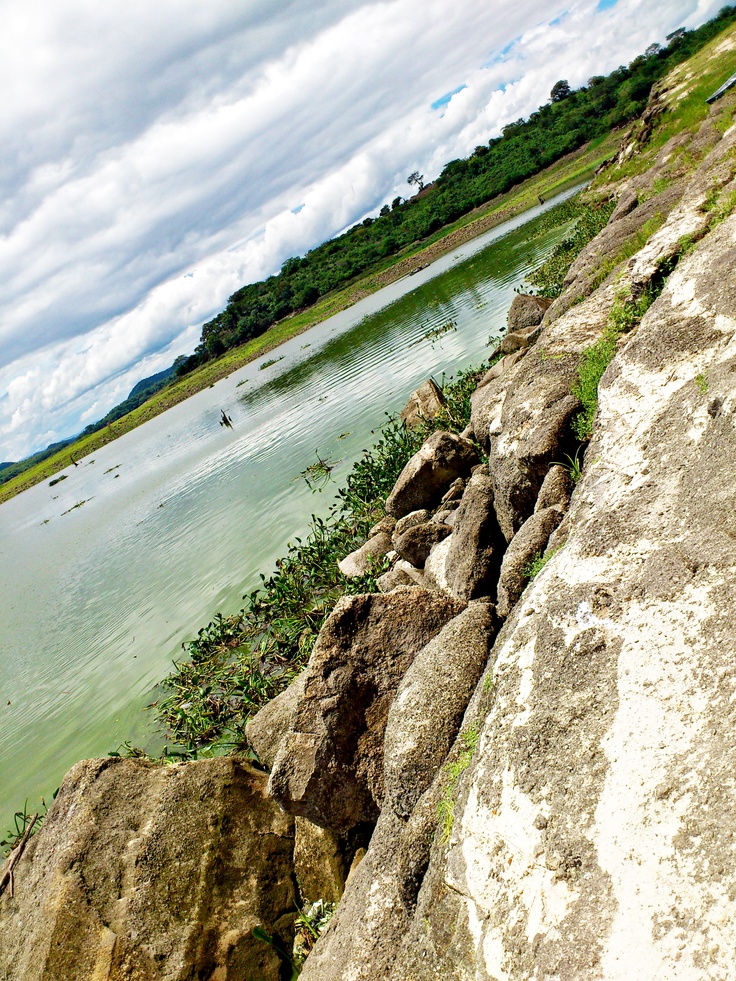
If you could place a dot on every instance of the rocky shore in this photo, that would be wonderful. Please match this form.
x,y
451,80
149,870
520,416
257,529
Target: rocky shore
x,y
516,760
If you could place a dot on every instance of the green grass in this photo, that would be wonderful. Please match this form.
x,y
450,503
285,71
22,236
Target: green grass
x,y
453,772
538,562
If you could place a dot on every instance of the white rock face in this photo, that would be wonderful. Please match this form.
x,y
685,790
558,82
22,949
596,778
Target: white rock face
x,y
595,830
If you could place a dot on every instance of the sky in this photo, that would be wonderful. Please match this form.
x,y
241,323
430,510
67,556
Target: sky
x,y
156,156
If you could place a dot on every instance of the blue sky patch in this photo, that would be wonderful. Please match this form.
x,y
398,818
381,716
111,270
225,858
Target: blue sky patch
x,y
606,4
444,99
295,211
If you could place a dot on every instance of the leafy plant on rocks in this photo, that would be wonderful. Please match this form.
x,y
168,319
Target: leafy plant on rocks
x,y
454,770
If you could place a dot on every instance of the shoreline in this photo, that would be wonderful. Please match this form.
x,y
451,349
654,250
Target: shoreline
x,y
574,168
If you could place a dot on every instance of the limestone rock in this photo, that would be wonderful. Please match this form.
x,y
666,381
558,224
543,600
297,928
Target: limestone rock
x,y
519,340
526,311
530,541
487,401
430,703
155,873
443,458
322,861
415,544
398,576
386,524
363,559
265,730
423,405
477,545
594,826
455,491
435,568
330,764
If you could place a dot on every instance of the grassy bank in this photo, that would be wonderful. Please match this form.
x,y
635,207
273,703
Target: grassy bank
x,y
574,169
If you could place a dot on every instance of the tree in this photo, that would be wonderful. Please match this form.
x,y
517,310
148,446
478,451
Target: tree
x,y
560,90
416,178
385,210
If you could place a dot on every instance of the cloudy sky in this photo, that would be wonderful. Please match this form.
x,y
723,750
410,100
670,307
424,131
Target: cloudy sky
x,y
158,154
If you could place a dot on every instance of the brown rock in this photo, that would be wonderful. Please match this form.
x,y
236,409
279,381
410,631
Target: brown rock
x,y
423,405
330,765
529,541
415,544
519,340
556,489
410,520
477,545
526,311
153,873
443,458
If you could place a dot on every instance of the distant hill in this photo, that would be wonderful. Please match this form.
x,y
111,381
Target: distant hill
x,y
139,394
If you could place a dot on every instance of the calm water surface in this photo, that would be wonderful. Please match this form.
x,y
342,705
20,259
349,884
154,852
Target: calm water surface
x,y
181,515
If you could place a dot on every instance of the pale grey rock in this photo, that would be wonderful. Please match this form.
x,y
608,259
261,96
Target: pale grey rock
x,y
442,459
265,730
602,780
435,568
519,340
398,576
364,559
153,872
423,404
529,541
415,544
330,764
477,545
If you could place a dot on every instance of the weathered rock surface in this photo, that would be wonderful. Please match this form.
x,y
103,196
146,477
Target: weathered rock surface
x,y
265,730
442,459
415,544
519,340
556,489
529,542
423,404
526,311
409,520
477,545
365,558
430,703
376,910
153,873
330,764
594,829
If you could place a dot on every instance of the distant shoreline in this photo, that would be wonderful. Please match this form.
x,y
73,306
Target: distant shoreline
x,y
575,168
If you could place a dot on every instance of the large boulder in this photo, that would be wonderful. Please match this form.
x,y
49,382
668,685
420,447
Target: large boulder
x,y
423,404
594,827
153,872
330,764
477,545
442,459
430,703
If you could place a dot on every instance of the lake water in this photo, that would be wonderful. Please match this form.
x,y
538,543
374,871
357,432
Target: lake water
x,y
181,515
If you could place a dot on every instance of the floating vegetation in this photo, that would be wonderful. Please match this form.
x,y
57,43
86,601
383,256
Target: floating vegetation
x,y
267,364
318,474
57,480
117,467
343,435
243,382
305,346
75,506
434,332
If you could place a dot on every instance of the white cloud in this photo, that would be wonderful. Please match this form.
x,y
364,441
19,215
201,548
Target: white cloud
x,y
148,141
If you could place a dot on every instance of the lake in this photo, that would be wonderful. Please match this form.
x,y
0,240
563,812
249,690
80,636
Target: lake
x,y
105,574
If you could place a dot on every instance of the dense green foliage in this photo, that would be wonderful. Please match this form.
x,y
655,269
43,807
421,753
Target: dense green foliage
x,y
525,147
237,663
10,470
